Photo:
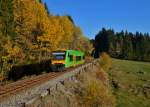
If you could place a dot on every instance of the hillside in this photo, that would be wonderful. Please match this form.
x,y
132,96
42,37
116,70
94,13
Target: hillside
x,y
131,83
29,33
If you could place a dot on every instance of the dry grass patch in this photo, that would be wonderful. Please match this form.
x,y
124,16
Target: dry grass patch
x,y
93,91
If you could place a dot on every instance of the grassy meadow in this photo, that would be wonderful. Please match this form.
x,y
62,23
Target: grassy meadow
x,y
131,83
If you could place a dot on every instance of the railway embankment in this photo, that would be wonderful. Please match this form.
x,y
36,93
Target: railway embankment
x,y
89,89
86,85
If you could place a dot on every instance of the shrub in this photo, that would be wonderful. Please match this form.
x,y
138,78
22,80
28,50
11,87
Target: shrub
x,y
92,92
97,95
105,61
102,76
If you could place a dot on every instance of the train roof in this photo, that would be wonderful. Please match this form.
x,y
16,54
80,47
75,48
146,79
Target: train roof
x,y
75,52
70,51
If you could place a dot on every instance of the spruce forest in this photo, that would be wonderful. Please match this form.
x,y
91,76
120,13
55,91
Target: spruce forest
x,y
123,45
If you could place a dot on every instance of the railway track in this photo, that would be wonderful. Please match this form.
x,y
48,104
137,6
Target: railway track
x,y
30,91
19,86
15,88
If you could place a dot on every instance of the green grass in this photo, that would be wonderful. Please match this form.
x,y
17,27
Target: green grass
x,y
131,77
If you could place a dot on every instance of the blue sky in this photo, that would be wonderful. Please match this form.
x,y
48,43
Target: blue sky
x,y
92,15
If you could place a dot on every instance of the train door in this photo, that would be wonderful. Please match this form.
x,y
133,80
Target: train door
x,y
74,60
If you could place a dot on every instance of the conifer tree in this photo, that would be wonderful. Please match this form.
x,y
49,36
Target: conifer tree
x,y
125,45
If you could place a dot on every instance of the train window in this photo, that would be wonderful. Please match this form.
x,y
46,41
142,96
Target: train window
x,y
83,57
71,57
78,58
58,55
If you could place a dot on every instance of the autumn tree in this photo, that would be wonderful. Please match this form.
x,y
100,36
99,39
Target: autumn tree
x,y
28,33
80,42
6,18
68,29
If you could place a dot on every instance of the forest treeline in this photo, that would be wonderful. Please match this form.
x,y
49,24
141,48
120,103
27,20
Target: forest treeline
x,y
123,45
29,32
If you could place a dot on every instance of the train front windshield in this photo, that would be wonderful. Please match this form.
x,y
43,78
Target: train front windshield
x,y
58,55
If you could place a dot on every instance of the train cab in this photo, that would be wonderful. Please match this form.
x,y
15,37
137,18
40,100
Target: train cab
x,y
58,59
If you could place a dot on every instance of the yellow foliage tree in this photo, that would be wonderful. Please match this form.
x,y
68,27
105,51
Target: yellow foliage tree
x,y
68,28
48,30
56,31
6,18
36,32
10,55
80,42
24,20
